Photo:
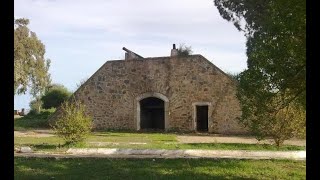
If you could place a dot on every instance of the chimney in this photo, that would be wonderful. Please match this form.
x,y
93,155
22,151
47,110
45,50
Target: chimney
x,y
174,51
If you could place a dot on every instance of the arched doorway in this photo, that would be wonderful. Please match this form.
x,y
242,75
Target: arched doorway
x,y
152,113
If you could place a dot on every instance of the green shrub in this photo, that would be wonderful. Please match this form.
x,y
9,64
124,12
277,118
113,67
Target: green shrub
x,y
35,106
55,96
73,125
184,50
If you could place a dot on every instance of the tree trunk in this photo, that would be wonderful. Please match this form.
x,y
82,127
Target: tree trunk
x,y
39,109
38,104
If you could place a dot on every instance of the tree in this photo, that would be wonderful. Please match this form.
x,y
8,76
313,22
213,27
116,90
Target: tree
x,y
30,66
55,96
34,106
274,83
276,40
184,50
266,114
40,79
233,76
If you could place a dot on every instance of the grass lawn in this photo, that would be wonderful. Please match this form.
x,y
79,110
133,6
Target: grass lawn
x,y
33,121
152,140
105,168
111,139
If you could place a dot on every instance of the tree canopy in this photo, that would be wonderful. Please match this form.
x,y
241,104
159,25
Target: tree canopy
x,y
55,96
30,66
274,82
276,42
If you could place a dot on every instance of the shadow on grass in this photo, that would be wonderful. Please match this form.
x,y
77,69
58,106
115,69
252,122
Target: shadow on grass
x,y
54,147
107,135
169,140
105,168
45,146
42,146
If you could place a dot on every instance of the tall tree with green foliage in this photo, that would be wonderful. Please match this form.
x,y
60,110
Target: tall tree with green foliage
x,y
31,69
274,83
40,80
30,66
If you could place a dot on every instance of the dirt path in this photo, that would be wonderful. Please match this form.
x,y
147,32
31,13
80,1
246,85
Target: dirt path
x,y
233,139
34,133
162,153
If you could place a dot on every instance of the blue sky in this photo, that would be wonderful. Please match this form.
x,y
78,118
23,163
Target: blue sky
x,y
81,35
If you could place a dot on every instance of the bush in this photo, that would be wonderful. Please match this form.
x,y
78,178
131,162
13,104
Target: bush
x,y
184,50
73,125
55,96
277,115
44,113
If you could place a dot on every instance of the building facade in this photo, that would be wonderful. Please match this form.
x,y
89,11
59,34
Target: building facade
x,y
168,93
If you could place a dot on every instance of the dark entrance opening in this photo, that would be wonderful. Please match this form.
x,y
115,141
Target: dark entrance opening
x,y
152,113
202,118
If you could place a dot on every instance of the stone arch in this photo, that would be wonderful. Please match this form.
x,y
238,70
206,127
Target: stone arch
x,y
147,95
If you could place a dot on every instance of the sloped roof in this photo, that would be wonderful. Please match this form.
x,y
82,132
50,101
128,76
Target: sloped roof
x,y
155,58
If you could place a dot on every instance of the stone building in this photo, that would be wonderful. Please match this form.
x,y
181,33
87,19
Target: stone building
x,y
169,93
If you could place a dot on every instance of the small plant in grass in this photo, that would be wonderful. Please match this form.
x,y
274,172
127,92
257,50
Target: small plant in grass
x,y
74,125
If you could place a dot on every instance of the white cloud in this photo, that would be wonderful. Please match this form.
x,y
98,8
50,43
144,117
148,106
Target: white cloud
x,y
179,18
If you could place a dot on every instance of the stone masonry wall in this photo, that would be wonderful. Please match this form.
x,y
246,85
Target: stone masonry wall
x,y
109,95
